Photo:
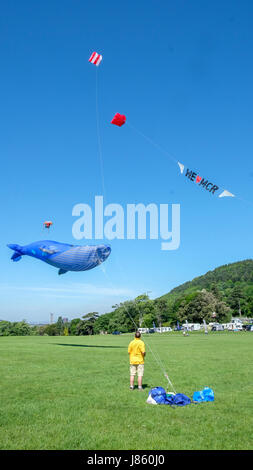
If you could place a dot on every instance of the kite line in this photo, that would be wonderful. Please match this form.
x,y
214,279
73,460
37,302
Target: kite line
x,y
155,354
101,162
118,120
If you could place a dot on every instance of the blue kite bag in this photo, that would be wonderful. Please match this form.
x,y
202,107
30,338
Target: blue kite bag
x,y
178,400
159,395
161,398
204,395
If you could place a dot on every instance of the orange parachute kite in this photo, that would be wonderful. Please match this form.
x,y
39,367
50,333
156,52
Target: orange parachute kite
x,y
47,224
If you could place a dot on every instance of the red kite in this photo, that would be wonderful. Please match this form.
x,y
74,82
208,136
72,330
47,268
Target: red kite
x,y
119,119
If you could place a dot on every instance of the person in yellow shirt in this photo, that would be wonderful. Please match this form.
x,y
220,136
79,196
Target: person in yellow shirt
x,y
137,353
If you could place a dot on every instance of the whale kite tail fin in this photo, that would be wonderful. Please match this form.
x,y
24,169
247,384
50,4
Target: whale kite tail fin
x,y
18,252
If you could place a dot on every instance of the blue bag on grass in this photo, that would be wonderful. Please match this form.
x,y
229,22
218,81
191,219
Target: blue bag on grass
x,y
179,399
159,395
161,398
204,395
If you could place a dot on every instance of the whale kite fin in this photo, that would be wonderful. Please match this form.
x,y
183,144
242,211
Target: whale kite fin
x,y
18,252
16,257
62,271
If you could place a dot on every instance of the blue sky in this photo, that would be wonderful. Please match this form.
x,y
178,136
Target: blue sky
x,y
182,73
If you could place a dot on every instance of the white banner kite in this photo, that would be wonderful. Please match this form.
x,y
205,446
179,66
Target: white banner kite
x,y
204,183
226,194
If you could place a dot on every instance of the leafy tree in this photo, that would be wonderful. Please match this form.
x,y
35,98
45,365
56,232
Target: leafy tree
x,y
15,328
236,296
23,329
223,312
200,306
41,330
144,307
102,323
5,327
147,320
215,290
51,330
73,326
60,326
125,317
160,310
86,326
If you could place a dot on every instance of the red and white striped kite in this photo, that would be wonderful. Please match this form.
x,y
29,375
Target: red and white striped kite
x,y
95,58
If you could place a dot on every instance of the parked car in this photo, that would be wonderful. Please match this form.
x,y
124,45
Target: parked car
x,y
151,330
249,328
116,332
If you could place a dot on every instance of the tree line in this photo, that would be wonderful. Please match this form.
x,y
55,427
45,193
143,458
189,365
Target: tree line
x,y
127,316
217,296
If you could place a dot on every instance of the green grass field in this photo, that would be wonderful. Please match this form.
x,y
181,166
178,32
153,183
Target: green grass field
x,y
73,393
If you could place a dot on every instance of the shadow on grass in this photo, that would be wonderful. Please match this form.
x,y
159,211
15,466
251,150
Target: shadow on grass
x,y
88,346
144,386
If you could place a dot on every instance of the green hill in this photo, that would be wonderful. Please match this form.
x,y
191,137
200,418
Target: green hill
x,y
231,284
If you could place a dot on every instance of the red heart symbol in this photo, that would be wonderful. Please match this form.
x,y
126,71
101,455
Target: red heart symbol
x,y
198,179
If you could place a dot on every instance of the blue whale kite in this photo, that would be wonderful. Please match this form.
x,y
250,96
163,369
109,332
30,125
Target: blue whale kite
x,y
63,256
